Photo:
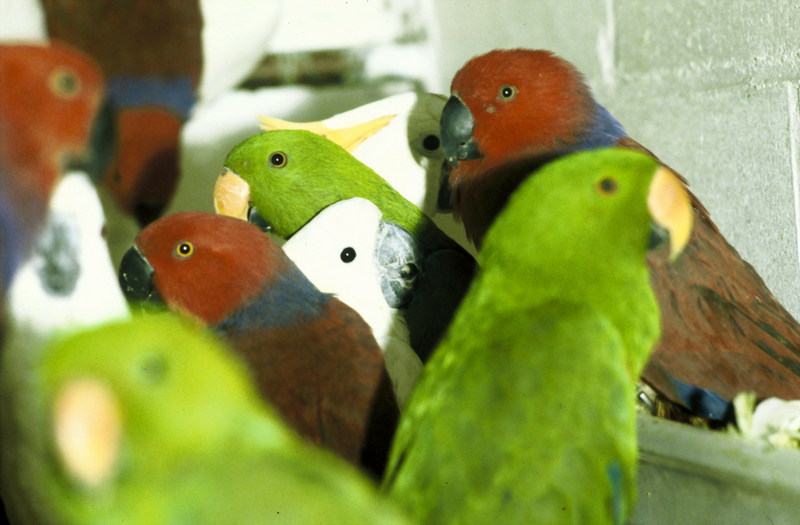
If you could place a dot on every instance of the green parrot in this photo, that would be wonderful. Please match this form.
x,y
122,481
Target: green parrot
x,y
154,421
289,176
525,413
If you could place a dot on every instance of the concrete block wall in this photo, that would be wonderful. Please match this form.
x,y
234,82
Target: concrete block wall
x,y
711,86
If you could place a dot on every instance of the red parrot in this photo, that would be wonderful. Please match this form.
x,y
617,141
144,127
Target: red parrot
x,y
50,121
312,356
723,332
151,54
50,100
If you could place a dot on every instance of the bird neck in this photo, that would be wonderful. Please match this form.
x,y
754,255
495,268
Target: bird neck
x,y
22,214
285,301
604,131
478,199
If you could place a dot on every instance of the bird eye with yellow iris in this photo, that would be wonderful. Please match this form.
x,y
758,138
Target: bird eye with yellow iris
x,y
506,93
184,249
64,83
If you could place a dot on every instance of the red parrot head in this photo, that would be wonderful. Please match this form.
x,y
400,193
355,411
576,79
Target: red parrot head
x,y
50,122
509,104
200,263
51,95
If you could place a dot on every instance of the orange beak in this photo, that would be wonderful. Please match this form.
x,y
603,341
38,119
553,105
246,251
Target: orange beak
x,y
671,208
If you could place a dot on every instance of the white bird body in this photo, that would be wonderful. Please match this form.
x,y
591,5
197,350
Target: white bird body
x,y
317,249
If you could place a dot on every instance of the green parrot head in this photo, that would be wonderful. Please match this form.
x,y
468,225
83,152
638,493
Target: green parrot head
x,y
153,420
604,204
116,394
288,176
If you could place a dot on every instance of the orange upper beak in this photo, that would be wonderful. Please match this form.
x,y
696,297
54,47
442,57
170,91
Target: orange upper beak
x,y
231,195
87,421
671,208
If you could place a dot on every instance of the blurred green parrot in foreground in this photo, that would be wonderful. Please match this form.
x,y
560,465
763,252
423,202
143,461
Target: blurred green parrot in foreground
x,y
288,176
526,411
154,421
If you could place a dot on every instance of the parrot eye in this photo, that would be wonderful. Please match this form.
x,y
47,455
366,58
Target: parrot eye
x,y
184,249
153,368
607,186
431,143
348,255
64,83
277,159
507,93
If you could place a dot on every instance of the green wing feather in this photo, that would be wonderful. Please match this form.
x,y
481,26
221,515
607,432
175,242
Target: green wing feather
x,y
546,447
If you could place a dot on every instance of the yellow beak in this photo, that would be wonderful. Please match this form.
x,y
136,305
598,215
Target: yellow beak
x,y
87,421
231,195
349,138
671,208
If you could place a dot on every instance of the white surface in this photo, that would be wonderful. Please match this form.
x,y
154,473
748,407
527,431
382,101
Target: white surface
x,y
694,476
235,35
21,20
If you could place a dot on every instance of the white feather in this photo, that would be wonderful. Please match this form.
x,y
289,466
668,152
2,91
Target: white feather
x,y
97,296
317,248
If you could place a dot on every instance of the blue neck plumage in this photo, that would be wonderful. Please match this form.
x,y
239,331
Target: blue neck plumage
x,y
605,131
130,91
287,301
11,241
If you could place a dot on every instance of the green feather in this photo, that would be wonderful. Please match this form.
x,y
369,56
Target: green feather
x,y
525,412
197,445
317,173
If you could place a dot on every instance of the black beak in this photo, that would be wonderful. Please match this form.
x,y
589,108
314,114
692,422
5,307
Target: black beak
x,y
457,125
658,236
136,278
253,217
96,160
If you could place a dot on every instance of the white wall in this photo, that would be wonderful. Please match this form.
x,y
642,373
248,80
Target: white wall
x,y
711,86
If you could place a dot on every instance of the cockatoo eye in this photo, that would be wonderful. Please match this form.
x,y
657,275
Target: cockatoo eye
x,y
431,143
607,186
506,93
64,83
409,271
184,249
348,255
277,159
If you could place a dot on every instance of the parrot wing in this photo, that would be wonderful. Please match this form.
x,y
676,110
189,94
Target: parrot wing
x,y
556,434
